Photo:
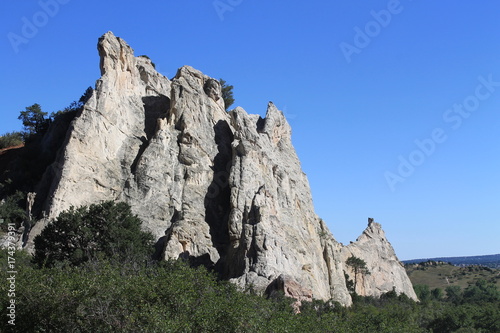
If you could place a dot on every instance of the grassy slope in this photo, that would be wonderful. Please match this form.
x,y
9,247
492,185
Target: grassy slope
x,y
442,275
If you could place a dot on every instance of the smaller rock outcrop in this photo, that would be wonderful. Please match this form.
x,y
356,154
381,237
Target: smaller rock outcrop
x,y
290,288
386,272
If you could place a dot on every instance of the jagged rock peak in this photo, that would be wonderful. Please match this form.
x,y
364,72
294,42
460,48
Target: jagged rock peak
x,y
115,54
386,272
220,189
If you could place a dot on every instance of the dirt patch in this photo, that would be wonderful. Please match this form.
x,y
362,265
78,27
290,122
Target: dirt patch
x,y
5,150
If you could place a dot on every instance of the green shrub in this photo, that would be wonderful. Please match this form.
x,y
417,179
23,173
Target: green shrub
x,y
107,230
110,296
481,292
423,292
106,296
11,139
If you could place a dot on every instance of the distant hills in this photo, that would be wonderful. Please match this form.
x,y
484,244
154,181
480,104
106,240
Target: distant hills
x,y
492,261
437,274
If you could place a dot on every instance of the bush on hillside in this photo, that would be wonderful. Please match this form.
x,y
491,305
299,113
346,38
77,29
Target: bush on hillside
x,y
107,230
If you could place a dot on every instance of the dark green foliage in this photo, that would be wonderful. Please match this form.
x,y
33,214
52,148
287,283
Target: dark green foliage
x,y
437,293
86,96
454,294
12,211
349,284
227,94
423,292
468,318
358,265
34,120
107,230
481,291
137,296
11,139
103,296
476,309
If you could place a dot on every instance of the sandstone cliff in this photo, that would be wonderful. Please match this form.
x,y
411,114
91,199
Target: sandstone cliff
x,y
223,189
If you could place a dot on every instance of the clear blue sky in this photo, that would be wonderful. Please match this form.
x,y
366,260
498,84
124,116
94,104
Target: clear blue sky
x,y
359,82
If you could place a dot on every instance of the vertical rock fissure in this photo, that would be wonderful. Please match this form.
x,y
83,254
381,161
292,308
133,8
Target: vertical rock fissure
x,y
253,220
328,266
217,200
161,243
155,107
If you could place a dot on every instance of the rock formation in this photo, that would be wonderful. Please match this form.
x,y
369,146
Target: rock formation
x,y
224,189
385,270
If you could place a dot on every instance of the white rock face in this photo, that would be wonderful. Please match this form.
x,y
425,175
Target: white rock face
x,y
272,225
105,138
385,270
222,189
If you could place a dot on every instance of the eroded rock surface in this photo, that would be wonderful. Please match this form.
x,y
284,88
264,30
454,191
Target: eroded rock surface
x,y
386,272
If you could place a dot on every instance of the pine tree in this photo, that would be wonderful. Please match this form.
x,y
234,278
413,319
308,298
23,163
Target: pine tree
x,y
227,94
